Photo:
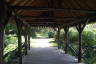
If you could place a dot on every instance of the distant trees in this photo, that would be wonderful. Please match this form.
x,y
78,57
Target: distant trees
x,y
45,32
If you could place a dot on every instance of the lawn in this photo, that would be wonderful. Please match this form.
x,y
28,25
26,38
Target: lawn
x,y
42,42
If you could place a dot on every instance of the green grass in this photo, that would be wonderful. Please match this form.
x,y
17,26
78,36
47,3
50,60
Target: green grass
x,y
38,35
49,41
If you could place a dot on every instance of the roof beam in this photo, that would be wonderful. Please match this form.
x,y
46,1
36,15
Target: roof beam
x,y
51,9
52,18
34,22
55,24
36,18
25,16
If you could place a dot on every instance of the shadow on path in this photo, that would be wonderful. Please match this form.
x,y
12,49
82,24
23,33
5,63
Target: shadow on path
x,y
49,55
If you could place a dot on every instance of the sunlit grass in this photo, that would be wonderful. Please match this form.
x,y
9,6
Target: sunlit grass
x,y
41,35
44,42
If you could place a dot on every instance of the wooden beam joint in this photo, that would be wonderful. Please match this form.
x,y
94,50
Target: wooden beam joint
x,y
80,28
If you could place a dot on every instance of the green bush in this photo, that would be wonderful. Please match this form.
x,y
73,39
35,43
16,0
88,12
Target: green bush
x,y
88,44
88,38
50,34
10,41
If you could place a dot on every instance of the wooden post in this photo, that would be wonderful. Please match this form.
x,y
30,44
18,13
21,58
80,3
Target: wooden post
x,y
4,17
1,43
25,34
28,38
80,28
2,27
58,37
19,25
66,38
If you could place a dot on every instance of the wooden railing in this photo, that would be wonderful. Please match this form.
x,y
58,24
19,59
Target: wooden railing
x,y
88,52
12,56
73,50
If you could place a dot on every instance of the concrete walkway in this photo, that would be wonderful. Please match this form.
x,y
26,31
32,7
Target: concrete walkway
x,y
49,55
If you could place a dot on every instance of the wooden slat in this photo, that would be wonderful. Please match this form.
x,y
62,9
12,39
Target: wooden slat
x,y
28,4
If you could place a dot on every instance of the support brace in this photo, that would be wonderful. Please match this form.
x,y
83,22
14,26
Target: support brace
x,y
19,25
26,40
1,43
29,38
66,29
80,28
58,37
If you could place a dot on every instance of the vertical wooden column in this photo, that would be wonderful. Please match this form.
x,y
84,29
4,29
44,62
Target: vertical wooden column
x,y
66,29
1,42
26,41
19,26
28,38
80,28
1,31
4,17
58,37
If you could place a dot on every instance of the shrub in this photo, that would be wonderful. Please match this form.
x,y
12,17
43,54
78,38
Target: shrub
x,y
50,34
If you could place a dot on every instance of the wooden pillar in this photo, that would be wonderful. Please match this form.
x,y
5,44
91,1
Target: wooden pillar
x,y
80,28
26,41
28,38
58,37
66,38
19,25
4,17
1,42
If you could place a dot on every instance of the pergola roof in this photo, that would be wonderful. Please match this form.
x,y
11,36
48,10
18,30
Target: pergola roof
x,y
54,12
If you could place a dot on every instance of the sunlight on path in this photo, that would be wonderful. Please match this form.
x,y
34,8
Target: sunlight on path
x,y
41,42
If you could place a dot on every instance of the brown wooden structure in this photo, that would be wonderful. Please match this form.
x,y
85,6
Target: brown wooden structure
x,y
46,13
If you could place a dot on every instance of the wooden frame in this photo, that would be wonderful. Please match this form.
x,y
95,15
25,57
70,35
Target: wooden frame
x,y
51,9
80,28
5,14
66,29
29,33
19,28
58,37
26,39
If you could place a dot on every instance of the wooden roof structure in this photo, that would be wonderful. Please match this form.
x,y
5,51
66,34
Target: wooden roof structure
x,y
54,12
46,13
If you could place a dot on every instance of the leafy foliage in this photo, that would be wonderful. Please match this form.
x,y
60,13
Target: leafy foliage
x,y
88,43
50,34
10,29
10,42
45,32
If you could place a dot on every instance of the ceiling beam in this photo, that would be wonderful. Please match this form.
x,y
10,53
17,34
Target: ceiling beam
x,y
55,25
51,19
51,9
56,22
76,17
41,22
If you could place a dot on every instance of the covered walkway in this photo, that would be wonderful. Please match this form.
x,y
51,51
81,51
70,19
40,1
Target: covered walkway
x,y
49,55
59,14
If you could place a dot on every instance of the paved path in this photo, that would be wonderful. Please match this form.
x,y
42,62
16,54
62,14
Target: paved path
x,y
50,55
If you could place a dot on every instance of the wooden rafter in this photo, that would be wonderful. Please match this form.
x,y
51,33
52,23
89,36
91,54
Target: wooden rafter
x,y
51,9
